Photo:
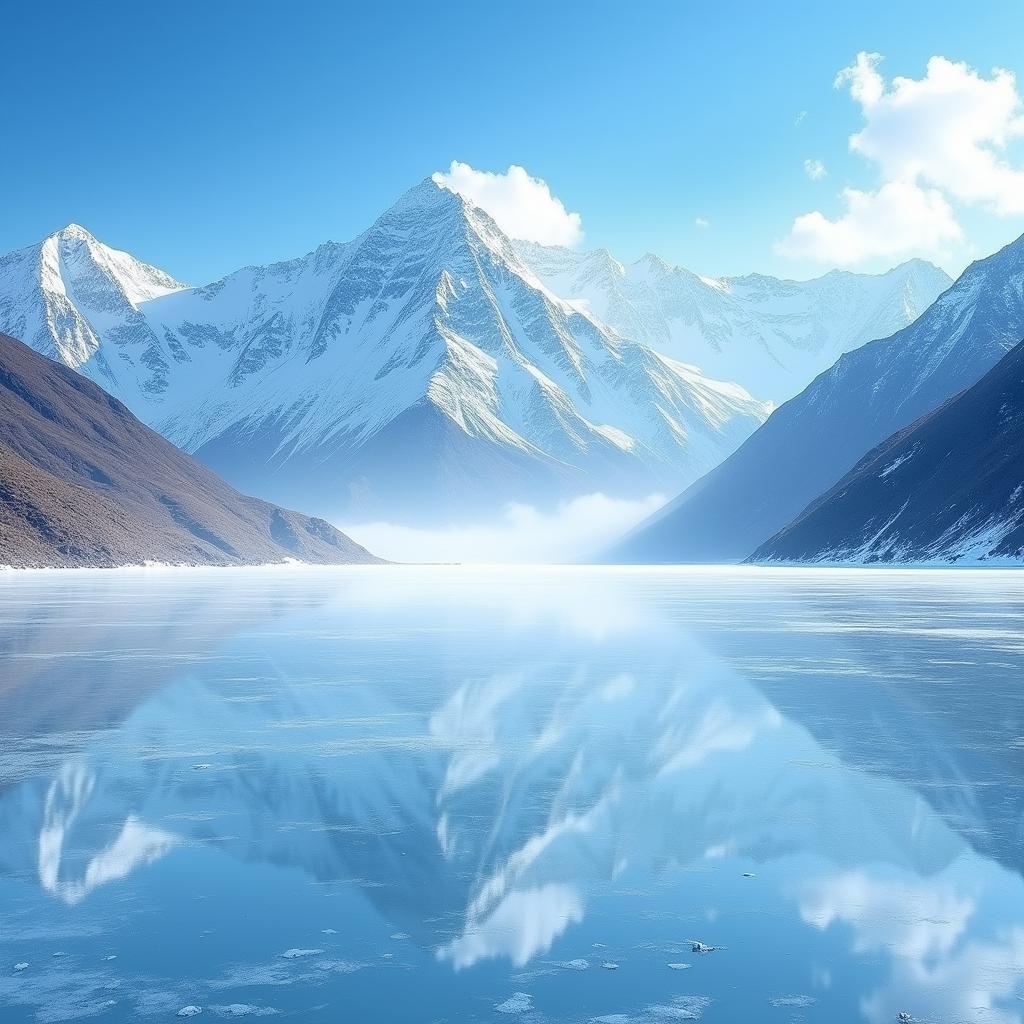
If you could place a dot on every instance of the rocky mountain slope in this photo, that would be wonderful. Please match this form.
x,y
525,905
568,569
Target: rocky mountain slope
x,y
769,335
84,483
812,441
949,488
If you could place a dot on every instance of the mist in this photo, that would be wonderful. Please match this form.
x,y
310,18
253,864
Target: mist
x,y
575,530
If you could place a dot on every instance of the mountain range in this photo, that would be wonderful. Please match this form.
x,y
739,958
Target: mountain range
x,y
771,336
812,441
949,488
430,371
421,368
84,483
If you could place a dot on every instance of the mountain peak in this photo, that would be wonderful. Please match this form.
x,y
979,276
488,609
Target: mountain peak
x,y
651,260
432,193
73,232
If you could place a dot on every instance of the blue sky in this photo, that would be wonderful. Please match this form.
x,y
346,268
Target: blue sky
x,y
205,136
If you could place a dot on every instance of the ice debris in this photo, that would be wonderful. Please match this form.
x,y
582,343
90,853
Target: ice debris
x,y
518,1002
245,1010
574,965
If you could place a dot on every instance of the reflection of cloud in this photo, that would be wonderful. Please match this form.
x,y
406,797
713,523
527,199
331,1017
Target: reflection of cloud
x,y
136,844
921,924
914,919
526,922
966,985
571,532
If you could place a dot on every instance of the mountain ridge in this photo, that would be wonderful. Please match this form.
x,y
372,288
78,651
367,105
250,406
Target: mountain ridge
x,y
810,442
771,335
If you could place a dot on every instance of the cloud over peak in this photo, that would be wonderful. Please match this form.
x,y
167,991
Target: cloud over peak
x,y
521,205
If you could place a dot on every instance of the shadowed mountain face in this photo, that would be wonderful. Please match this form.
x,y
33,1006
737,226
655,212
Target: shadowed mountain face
x,y
83,482
808,444
948,488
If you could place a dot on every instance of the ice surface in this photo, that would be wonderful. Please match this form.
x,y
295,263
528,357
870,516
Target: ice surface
x,y
587,736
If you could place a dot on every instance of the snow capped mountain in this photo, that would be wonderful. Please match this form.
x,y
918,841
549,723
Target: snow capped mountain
x,y
949,488
68,294
769,335
421,369
809,443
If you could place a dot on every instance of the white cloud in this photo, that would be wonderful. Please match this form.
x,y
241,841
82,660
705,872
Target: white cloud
x,y
575,530
815,169
936,140
897,220
800,117
521,205
702,222
949,130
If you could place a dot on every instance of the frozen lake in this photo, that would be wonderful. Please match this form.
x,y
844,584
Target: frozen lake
x,y
559,794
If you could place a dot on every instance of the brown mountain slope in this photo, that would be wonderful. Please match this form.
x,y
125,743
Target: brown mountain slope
x,y
84,483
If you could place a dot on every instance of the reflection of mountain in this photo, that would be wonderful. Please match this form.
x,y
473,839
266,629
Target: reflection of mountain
x,y
488,786
70,666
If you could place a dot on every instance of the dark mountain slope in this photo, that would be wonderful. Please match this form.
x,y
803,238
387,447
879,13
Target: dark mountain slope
x,y
813,440
949,487
83,482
